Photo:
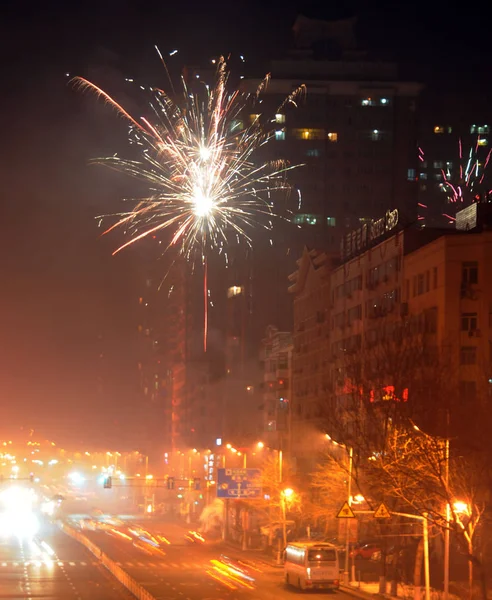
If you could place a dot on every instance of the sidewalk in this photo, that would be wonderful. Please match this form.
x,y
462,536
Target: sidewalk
x,y
371,590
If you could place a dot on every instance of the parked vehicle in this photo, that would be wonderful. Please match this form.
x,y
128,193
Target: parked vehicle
x,y
366,551
311,565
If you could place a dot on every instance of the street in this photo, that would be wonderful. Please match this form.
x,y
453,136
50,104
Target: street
x,y
178,570
54,567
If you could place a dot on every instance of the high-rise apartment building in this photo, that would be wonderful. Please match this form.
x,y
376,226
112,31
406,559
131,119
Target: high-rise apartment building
x,y
354,133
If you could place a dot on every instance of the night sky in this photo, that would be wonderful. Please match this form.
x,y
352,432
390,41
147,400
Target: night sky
x,y
65,300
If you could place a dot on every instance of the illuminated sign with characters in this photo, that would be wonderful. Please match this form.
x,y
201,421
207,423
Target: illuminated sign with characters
x,y
358,240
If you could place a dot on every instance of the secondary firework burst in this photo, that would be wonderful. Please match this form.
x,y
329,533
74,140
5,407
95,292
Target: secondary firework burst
x,y
466,183
204,186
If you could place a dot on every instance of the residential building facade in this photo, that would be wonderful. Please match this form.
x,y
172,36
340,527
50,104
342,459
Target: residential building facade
x,y
408,323
276,358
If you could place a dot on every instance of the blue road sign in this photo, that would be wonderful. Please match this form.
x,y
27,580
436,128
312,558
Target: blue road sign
x,y
239,483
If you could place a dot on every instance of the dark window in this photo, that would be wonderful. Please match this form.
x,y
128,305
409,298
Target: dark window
x,y
468,355
469,321
468,390
469,272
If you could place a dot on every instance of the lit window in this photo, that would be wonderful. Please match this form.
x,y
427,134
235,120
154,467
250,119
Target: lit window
x,y
333,137
483,142
279,118
313,152
331,221
473,129
384,101
367,102
423,176
235,290
280,135
411,175
253,118
309,134
306,219
438,176
376,135
483,129
438,164
438,129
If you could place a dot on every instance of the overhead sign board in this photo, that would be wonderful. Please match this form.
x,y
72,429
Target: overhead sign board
x,y
382,512
346,512
239,483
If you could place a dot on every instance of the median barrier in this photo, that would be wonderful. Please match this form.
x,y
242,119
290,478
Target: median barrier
x,y
122,576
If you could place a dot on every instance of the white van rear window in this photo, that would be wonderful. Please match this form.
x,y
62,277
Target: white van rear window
x,y
325,554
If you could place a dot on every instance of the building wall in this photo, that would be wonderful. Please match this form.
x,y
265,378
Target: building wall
x,y
276,359
456,268
408,289
310,286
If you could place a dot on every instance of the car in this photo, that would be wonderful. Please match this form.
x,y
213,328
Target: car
x,y
366,551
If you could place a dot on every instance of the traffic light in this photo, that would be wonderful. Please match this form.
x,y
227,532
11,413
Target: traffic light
x,y
196,483
170,483
108,483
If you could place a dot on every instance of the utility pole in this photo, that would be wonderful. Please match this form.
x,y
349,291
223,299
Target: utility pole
x,y
448,511
448,523
346,577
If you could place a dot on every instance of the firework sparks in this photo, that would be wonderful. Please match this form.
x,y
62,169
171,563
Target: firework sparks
x,y
196,158
465,183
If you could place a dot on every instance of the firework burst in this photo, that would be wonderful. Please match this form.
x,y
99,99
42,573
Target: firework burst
x,y
197,161
196,158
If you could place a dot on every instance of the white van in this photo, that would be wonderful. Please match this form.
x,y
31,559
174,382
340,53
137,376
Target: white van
x,y
312,565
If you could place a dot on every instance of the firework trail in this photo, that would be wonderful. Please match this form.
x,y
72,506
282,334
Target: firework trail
x,y
197,161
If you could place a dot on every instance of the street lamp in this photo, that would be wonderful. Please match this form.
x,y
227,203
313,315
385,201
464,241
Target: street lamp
x,y
461,508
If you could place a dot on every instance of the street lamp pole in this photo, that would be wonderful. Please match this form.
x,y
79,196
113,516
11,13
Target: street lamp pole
x,y
347,528
448,520
426,555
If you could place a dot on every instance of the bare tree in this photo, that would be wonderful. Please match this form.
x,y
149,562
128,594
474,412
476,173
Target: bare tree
x,y
416,470
330,482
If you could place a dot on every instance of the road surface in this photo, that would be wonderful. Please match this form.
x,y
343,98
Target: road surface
x,y
52,566
180,571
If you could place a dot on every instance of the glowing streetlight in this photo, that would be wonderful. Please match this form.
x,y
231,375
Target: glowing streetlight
x,y
288,493
260,445
461,508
